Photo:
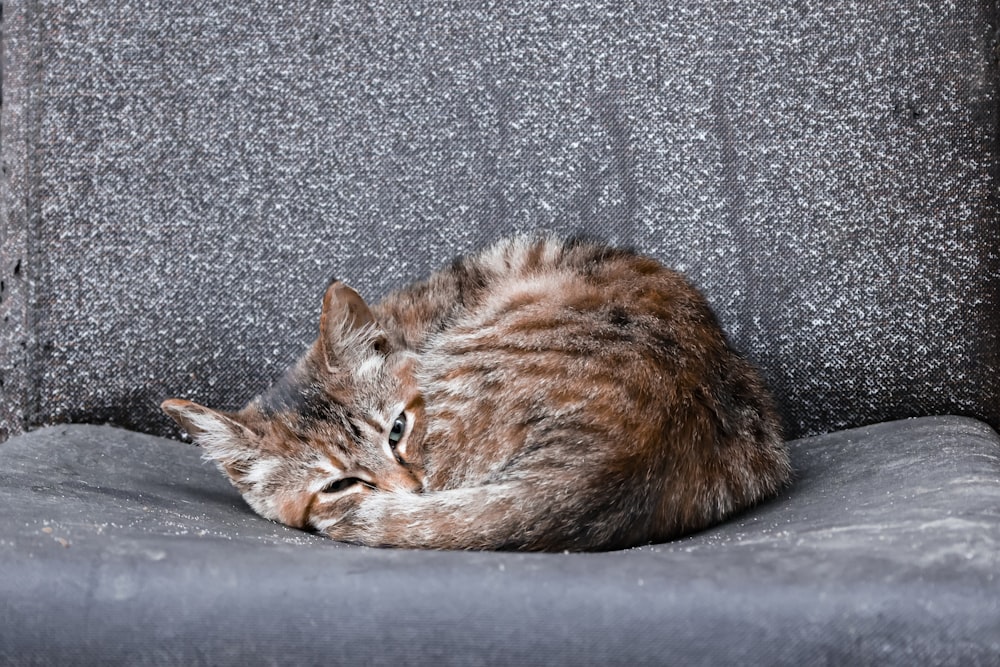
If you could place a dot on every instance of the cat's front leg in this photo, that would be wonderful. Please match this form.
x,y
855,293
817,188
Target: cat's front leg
x,y
487,517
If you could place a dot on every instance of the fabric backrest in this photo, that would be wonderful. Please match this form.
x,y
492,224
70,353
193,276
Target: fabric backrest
x,y
181,179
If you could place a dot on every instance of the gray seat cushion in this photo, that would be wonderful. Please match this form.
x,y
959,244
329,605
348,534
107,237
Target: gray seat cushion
x,y
116,546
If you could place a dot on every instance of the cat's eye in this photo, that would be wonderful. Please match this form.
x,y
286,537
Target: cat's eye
x,y
398,429
341,485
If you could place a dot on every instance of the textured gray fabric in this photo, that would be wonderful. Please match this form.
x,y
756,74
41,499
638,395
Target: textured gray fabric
x,y
117,547
180,179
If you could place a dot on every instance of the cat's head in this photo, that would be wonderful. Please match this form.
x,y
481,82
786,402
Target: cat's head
x,y
347,418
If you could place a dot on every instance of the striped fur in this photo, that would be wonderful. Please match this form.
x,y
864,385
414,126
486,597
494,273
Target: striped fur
x,y
545,395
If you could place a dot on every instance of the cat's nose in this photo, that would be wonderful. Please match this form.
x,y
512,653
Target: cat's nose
x,y
400,480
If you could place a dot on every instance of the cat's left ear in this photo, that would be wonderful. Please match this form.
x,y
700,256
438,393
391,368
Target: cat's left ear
x,y
343,310
345,319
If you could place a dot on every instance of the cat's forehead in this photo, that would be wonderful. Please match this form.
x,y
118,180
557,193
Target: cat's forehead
x,y
304,407
309,392
307,432
283,395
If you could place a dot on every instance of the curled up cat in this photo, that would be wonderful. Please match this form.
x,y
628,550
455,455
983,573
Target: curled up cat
x,y
540,395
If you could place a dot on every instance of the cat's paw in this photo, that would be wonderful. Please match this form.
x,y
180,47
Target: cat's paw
x,y
361,519
337,515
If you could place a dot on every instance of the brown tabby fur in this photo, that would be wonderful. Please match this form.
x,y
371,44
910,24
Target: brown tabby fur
x,y
558,395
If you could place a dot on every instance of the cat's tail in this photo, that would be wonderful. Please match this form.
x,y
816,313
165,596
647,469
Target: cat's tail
x,y
507,515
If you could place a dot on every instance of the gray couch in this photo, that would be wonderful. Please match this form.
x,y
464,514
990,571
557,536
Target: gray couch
x,y
181,179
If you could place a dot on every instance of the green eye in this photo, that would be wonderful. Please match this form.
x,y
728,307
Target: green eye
x,y
398,429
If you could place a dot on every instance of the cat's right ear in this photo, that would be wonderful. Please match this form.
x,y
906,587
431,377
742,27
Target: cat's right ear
x,y
233,447
222,436
345,313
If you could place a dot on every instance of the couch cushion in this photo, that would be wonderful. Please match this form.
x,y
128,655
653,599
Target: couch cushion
x,y
116,546
182,178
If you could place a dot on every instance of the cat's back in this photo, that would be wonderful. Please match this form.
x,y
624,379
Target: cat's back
x,y
547,297
596,368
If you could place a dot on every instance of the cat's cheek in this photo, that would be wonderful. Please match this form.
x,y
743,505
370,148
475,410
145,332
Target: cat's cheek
x,y
293,509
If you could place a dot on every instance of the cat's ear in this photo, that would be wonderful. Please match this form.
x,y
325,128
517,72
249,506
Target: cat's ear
x,y
231,445
343,310
345,320
224,439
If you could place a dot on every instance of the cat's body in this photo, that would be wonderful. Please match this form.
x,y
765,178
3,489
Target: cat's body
x,y
541,395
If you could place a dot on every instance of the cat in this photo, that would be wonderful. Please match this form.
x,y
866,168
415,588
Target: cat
x,y
543,394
